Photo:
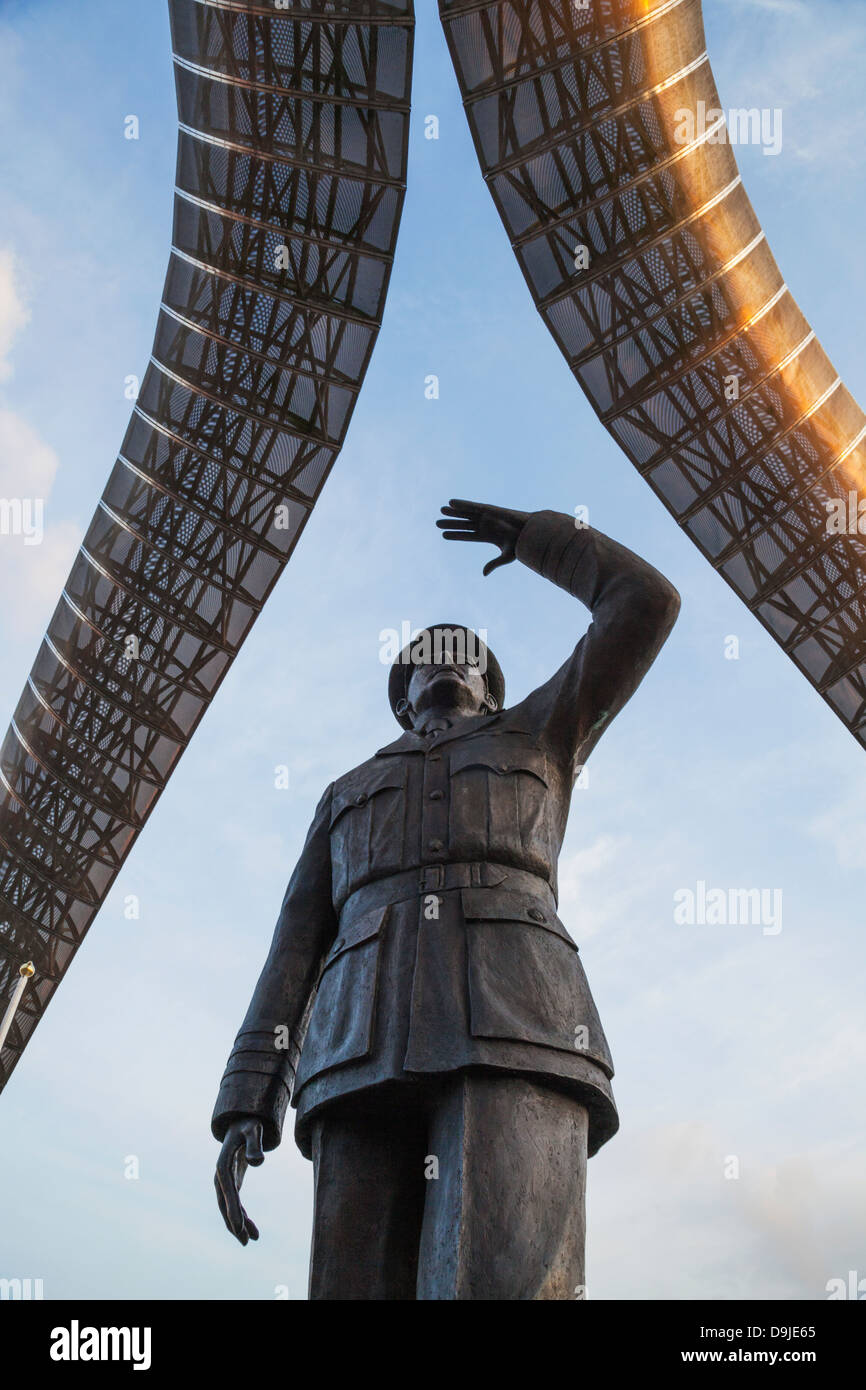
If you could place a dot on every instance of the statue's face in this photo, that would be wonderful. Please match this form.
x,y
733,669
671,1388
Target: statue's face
x,y
456,687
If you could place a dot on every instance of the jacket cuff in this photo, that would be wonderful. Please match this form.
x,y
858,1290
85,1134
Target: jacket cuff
x,y
257,1084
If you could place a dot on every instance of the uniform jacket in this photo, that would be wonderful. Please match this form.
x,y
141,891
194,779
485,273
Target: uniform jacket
x,y
419,933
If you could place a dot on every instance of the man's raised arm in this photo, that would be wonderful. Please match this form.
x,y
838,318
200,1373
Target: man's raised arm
x,y
633,609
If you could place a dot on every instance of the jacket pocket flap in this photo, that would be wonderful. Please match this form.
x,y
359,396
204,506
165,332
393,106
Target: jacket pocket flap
x,y
355,931
500,905
359,790
501,760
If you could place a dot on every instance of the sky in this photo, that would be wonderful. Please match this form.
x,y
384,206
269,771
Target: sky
x,y
740,1052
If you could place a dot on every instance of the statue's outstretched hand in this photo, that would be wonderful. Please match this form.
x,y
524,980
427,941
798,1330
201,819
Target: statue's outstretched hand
x,y
478,521
242,1149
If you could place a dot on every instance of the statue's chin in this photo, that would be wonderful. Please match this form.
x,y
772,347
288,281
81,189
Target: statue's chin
x,y
446,694
450,711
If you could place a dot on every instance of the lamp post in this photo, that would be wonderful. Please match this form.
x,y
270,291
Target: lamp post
x,y
24,974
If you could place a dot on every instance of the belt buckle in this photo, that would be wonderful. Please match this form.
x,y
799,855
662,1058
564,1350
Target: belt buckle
x,y
432,878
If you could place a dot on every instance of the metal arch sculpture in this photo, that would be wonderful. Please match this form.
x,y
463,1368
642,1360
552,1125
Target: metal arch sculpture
x,y
573,110
291,173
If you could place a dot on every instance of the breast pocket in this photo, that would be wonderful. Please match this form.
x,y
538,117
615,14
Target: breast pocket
x,y
344,1010
500,804
368,813
526,981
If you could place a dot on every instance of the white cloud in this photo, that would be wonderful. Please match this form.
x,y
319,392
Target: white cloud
x,y
806,60
13,311
28,465
782,1228
841,828
582,863
33,577
586,908
35,554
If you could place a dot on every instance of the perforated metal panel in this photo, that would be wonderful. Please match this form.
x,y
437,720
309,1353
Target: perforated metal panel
x,y
575,110
291,169
290,177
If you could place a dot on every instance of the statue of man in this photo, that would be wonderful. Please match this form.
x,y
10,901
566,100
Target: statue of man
x,y
422,1003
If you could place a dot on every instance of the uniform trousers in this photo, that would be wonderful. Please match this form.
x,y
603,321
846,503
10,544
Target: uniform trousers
x,y
471,1186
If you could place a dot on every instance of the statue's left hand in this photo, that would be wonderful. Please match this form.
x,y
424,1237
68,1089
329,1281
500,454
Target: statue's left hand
x,y
479,521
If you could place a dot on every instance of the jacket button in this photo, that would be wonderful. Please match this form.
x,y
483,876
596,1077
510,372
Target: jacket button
x,y
536,914
436,796
361,800
436,845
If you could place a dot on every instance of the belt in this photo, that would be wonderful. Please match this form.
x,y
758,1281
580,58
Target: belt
x,y
440,878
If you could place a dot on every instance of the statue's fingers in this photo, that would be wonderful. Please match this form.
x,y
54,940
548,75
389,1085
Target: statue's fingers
x,y
225,1164
219,1196
250,1225
254,1151
504,559
234,1210
462,535
461,504
221,1203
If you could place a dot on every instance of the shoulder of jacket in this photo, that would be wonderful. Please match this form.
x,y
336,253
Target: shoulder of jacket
x,y
354,772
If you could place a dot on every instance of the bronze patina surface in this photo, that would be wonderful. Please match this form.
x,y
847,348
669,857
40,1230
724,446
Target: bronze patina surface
x,y
423,1003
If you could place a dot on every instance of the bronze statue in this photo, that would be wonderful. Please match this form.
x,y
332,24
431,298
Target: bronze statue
x,y
422,1003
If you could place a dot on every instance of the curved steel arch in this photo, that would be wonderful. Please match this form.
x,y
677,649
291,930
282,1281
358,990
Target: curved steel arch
x,y
291,170
575,111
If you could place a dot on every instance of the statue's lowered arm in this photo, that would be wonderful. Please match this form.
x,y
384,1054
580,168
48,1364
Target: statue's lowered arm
x,y
257,1082
260,1070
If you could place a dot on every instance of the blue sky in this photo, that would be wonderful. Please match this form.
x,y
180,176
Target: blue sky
x,y
728,1042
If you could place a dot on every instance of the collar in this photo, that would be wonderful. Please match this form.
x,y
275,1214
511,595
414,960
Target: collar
x,y
410,742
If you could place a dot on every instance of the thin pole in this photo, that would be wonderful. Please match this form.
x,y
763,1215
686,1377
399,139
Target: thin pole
x,y
25,972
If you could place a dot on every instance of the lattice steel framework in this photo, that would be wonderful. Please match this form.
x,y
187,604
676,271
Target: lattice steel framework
x,y
291,172
574,110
